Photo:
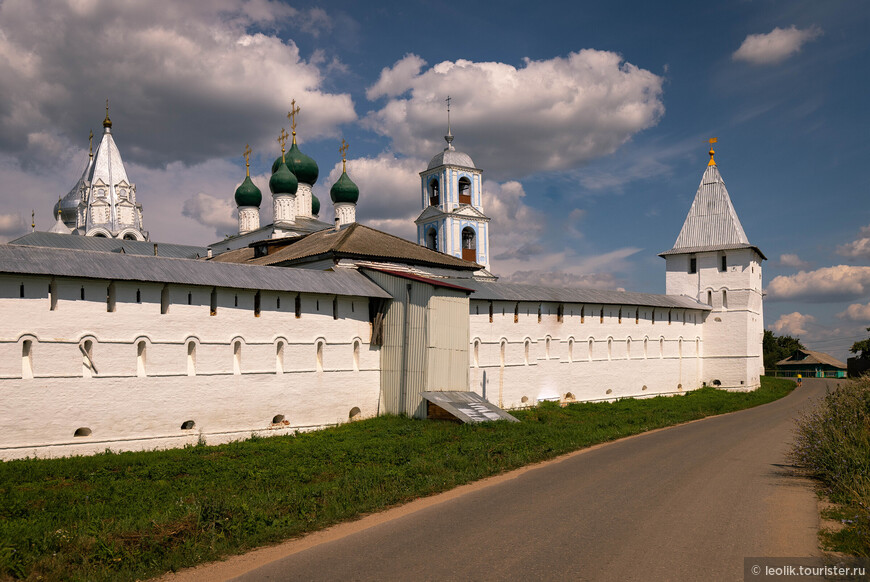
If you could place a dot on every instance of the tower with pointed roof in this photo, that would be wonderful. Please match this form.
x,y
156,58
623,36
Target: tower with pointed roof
x,y
103,201
452,220
344,193
248,198
713,262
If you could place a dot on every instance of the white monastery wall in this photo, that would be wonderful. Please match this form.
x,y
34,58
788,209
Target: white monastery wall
x,y
590,353
231,373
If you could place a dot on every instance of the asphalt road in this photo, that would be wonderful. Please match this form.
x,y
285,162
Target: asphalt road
x,y
685,503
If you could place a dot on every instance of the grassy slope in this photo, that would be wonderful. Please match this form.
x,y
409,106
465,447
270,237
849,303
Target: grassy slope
x,y
132,515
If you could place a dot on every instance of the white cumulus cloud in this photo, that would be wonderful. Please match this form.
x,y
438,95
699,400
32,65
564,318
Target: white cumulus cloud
x,y
856,312
838,283
12,225
792,260
774,46
550,114
794,324
858,248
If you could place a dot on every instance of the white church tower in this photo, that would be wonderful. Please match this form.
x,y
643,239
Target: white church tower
x,y
452,220
714,262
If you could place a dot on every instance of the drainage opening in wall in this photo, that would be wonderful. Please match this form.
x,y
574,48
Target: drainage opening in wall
x,y
82,432
354,413
644,387
524,399
279,419
609,391
187,425
679,386
717,383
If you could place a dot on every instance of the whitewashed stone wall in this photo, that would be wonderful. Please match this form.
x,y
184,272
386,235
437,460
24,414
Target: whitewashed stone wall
x,y
139,400
639,354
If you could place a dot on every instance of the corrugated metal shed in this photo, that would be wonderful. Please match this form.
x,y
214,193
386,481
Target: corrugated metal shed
x,y
109,245
32,260
712,222
496,291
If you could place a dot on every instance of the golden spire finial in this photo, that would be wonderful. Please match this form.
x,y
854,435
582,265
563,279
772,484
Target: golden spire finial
x,y
712,140
291,115
107,123
282,139
32,220
247,155
343,150
91,143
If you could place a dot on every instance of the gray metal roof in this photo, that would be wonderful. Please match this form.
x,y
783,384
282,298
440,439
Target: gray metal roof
x,y
712,248
495,291
712,220
109,245
32,260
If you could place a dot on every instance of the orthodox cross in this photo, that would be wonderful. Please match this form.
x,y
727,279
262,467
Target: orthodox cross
x,y
247,155
448,114
343,150
294,111
32,220
91,143
282,139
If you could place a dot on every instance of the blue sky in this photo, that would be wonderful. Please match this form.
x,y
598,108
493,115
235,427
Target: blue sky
x,y
590,121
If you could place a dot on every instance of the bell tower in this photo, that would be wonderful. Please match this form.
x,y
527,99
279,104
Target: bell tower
x,y
452,220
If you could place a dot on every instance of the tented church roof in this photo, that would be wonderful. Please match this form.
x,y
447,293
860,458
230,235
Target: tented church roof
x,y
712,222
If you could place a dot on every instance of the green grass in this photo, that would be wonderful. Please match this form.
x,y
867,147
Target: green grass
x,y
833,443
133,515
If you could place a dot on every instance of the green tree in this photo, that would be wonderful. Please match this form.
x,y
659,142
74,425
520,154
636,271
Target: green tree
x,y
779,347
862,348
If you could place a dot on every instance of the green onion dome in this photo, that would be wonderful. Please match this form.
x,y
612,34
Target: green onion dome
x,y
283,181
315,205
248,194
344,190
304,168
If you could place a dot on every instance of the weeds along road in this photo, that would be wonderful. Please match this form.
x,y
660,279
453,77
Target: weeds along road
x,y
684,503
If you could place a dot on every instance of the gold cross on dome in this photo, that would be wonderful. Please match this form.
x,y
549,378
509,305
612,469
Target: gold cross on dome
x,y
247,155
343,150
282,139
91,143
294,111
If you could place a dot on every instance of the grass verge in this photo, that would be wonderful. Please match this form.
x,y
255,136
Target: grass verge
x,y
133,515
833,443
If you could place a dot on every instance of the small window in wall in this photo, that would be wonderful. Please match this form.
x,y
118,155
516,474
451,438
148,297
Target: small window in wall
x,y
601,316
164,300
539,313
188,425
52,295
476,353
517,312
237,357
317,305
111,301
319,362
710,298
432,239
609,348
356,346
526,346
693,265
589,353
190,298
669,316
570,349
27,359
684,318
279,357
490,311
87,350
620,315
469,244
560,313
278,303
82,432
661,347
335,307
298,306
724,299
547,348
138,296
141,348
213,302
191,358
723,264
257,299
582,314
21,291
652,316
82,293
236,300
